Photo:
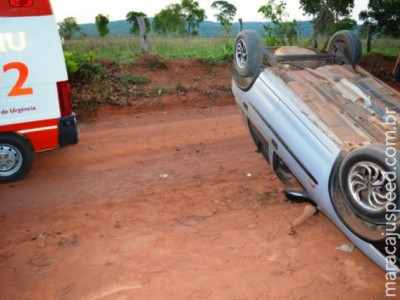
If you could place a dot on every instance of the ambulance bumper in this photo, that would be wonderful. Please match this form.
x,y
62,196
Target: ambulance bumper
x,y
68,130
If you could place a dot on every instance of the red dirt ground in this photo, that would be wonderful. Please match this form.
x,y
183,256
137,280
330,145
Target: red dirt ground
x,y
168,200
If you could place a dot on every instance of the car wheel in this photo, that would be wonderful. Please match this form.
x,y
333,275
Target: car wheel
x,y
248,53
16,158
369,179
347,44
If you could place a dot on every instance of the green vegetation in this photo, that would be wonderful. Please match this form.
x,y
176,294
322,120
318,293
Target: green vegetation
x,y
193,15
135,79
186,18
281,33
385,46
132,16
169,20
383,17
226,14
102,24
68,28
127,49
82,66
326,15
214,50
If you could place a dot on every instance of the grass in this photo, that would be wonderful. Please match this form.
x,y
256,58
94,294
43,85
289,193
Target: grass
x,y
135,79
121,49
213,50
127,49
385,46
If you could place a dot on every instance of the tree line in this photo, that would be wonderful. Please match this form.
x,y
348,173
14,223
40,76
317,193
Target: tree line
x,y
381,18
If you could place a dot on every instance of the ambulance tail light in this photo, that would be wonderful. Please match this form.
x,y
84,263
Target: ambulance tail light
x,y
21,3
64,98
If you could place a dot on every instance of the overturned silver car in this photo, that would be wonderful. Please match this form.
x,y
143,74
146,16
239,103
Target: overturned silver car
x,y
330,131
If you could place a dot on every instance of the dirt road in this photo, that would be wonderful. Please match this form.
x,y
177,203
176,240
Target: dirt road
x,y
167,204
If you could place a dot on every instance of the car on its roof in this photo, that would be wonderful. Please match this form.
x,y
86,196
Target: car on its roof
x,y
330,131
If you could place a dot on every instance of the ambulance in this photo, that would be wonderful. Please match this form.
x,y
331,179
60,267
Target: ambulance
x,y
35,105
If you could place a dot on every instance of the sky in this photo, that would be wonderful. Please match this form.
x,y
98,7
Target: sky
x,y
85,11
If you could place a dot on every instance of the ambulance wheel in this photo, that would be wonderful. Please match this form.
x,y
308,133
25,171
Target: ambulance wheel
x,y
16,157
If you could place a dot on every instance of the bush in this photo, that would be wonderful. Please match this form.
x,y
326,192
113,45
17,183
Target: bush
x,y
72,65
135,79
82,67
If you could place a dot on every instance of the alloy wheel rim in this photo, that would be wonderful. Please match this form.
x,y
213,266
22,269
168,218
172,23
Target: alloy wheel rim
x,y
367,183
241,54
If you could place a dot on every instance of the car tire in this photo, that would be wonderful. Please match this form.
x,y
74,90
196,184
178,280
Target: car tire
x,y
348,44
248,53
16,157
368,181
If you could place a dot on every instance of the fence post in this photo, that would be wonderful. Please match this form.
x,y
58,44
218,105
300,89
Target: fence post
x,y
240,24
369,38
143,34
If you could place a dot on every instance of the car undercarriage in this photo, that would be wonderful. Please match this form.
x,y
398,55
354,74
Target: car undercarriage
x,y
330,131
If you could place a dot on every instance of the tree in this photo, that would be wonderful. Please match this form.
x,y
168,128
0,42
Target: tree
x,y
131,17
325,13
68,27
226,14
192,14
343,24
102,24
175,17
281,33
383,16
170,19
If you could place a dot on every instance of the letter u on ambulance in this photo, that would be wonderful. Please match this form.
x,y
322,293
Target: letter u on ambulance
x,y
11,42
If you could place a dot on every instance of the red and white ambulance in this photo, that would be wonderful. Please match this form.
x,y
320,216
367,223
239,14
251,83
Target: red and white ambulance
x,y
35,105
